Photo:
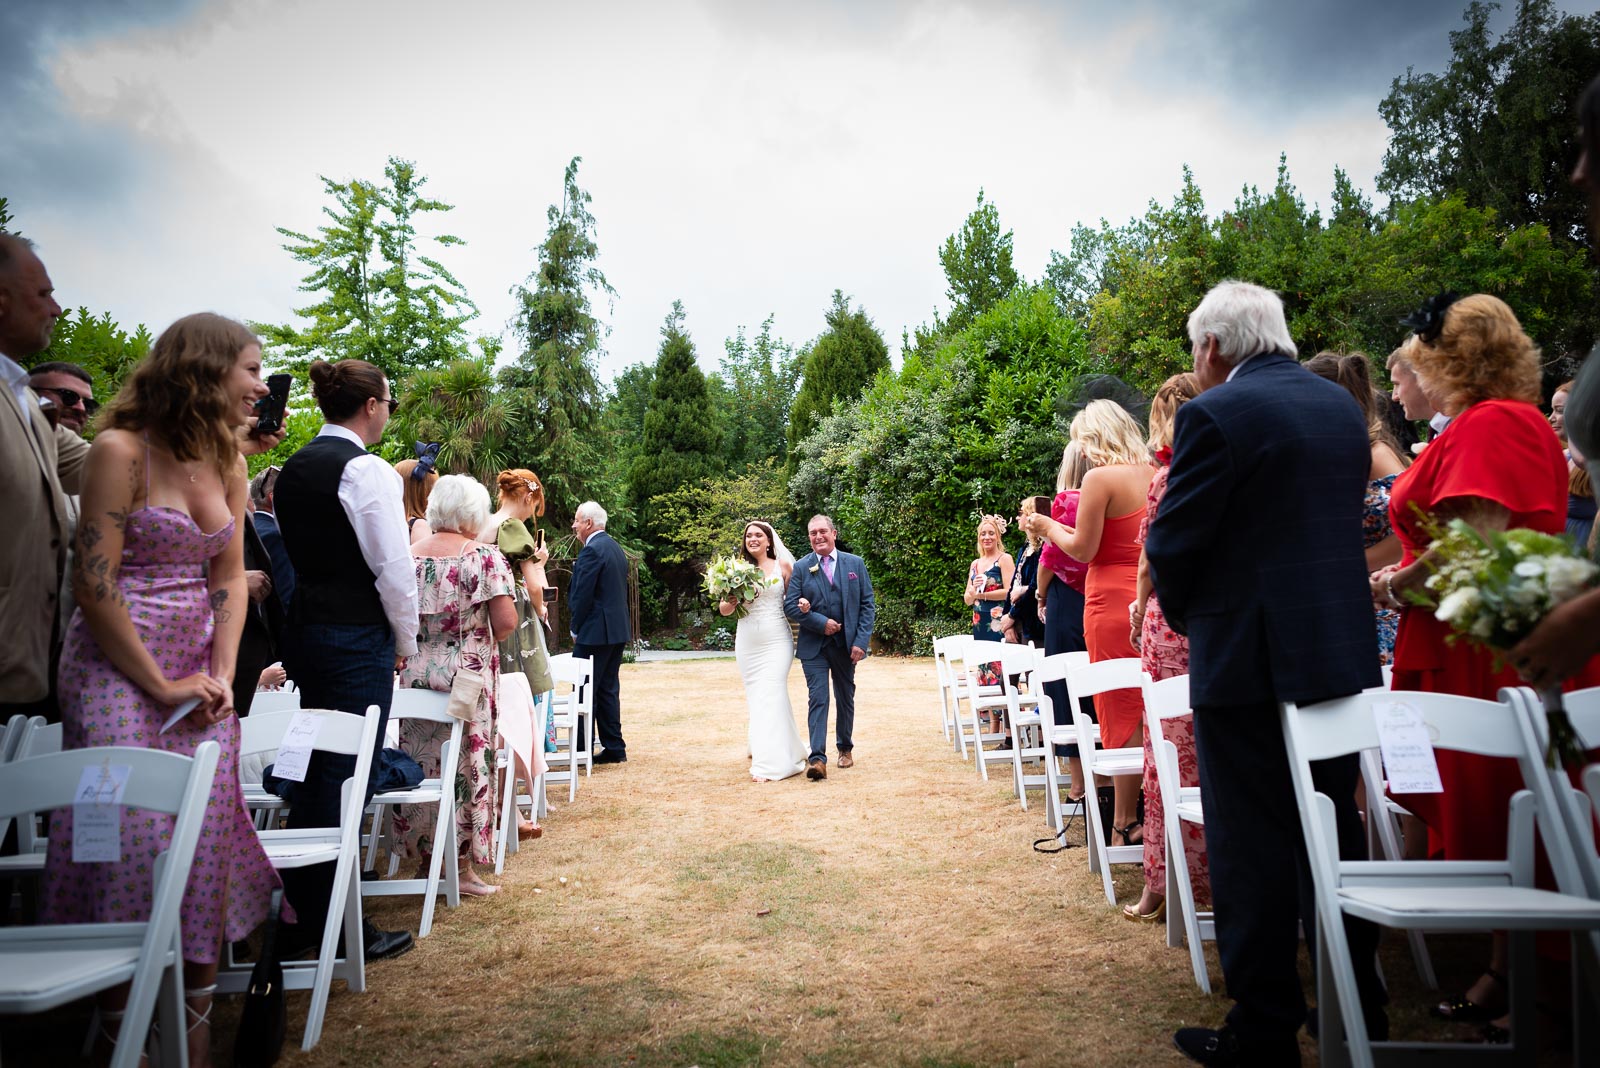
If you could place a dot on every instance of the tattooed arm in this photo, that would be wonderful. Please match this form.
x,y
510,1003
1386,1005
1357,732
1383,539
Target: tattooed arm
x,y
113,475
229,596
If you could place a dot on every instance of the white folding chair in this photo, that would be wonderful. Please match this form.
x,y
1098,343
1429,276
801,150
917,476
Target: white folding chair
x,y
573,712
38,739
1009,660
300,847
1430,895
15,727
1384,840
524,741
1054,669
1090,680
946,650
427,705
43,967
1186,924
1029,734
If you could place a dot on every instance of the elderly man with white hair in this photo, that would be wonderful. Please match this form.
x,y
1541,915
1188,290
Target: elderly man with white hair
x,y
1257,557
600,623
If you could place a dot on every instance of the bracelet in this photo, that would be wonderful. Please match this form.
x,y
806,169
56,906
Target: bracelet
x,y
1388,591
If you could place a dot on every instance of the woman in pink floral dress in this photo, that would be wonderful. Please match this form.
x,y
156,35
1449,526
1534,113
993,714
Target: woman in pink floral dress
x,y
1165,655
464,605
160,586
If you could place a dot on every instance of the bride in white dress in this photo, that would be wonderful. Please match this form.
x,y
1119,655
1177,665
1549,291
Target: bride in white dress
x,y
765,650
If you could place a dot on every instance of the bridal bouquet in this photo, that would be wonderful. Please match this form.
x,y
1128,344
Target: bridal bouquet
x,y
1492,591
735,577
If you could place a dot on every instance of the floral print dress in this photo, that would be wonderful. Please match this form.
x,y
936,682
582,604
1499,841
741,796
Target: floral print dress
x,y
1374,528
1165,655
453,594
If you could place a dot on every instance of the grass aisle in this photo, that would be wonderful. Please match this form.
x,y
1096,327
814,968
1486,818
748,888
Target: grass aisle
x,y
909,923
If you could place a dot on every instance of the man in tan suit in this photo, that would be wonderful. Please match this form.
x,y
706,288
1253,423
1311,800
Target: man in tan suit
x,y
39,465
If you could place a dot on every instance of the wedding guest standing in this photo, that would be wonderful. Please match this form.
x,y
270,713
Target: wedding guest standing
x,y
1499,467
464,607
265,520
1164,654
1350,370
1111,509
353,620
1580,489
419,479
1060,598
600,624
1021,623
1256,556
988,577
42,464
526,684
161,594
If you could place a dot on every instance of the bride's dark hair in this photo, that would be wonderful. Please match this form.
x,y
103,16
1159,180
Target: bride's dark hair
x,y
772,541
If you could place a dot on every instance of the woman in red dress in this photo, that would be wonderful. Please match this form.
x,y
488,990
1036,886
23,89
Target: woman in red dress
x,y
1498,466
1111,509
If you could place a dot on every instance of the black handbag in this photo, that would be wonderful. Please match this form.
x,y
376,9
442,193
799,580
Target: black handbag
x,y
264,1021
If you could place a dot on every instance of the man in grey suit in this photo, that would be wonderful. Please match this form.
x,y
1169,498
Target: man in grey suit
x,y
830,596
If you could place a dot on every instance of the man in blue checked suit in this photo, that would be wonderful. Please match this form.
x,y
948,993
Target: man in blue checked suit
x,y
830,596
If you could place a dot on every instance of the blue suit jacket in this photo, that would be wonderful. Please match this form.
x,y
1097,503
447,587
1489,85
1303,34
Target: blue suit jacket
x,y
599,594
859,609
1256,548
266,525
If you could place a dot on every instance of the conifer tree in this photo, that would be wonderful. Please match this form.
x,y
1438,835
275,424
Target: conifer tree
x,y
842,362
681,442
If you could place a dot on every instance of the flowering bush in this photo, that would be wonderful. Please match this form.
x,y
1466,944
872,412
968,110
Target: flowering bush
x,y
735,577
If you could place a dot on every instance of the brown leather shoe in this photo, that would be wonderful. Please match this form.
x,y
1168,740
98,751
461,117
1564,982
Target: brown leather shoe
x,y
846,760
816,770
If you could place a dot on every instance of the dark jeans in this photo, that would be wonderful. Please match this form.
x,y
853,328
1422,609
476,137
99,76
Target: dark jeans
x,y
1260,880
347,668
607,694
833,661
1063,633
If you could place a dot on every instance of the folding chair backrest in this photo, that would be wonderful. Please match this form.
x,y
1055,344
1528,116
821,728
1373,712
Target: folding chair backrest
x,y
1463,724
14,728
1573,861
40,738
261,731
1089,680
421,704
1167,698
1011,659
274,701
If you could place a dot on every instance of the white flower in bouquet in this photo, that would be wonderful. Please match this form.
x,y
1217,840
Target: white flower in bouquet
x,y
736,578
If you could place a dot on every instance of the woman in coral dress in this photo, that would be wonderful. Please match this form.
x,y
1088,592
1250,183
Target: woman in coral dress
x,y
1111,509
1498,466
159,578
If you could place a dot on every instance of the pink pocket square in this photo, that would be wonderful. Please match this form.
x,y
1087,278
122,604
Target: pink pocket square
x,y
852,574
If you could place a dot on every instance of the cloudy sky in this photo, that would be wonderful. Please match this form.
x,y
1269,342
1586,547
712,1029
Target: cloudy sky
x,y
745,157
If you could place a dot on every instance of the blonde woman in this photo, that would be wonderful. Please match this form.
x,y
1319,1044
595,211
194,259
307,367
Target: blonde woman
x,y
988,578
1111,508
1164,654
1060,597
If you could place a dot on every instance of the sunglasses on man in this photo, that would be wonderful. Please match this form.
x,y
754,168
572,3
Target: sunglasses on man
x,y
71,398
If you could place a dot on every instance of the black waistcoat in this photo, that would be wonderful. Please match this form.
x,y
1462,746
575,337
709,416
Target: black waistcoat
x,y
333,583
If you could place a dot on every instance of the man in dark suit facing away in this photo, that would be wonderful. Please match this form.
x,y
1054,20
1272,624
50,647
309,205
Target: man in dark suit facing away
x,y
1256,554
600,623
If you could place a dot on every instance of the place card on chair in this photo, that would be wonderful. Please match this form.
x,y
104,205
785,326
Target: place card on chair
x,y
1408,761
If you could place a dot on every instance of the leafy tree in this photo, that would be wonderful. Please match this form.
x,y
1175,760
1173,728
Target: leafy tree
x,y
553,381
459,406
381,298
99,346
680,445
759,379
707,518
842,362
977,265
1498,125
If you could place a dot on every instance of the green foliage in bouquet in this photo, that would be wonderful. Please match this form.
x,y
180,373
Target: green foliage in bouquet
x,y
735,577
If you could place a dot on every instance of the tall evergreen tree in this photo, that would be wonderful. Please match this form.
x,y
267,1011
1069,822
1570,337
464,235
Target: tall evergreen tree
x,y
381,298
977,265
842,362
760,376
553,381
679,448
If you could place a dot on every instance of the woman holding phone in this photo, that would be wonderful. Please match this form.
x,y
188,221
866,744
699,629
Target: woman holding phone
x,y
525,680
160,585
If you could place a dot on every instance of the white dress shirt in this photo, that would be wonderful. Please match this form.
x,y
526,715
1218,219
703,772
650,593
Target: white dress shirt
x,y
16,379
370,492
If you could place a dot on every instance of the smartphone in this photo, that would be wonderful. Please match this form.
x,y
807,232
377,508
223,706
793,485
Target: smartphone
x,y
1041,505
269,409
538,538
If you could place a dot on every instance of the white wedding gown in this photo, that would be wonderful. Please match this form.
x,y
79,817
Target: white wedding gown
x,y
765,651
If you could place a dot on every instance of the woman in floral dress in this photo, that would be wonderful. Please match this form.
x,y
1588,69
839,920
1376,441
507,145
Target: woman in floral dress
x,y
1165,655
159,578
464,605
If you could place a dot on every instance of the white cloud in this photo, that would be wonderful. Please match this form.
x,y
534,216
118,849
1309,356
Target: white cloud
x,y
745,163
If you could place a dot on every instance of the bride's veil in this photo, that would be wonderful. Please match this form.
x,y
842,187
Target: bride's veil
x,y
780,550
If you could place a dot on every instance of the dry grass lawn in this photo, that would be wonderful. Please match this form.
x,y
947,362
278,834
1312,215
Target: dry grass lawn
x,y
678,914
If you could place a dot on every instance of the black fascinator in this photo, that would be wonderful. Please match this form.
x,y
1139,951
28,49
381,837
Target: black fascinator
x,y
427,458
1087,388
1427,321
